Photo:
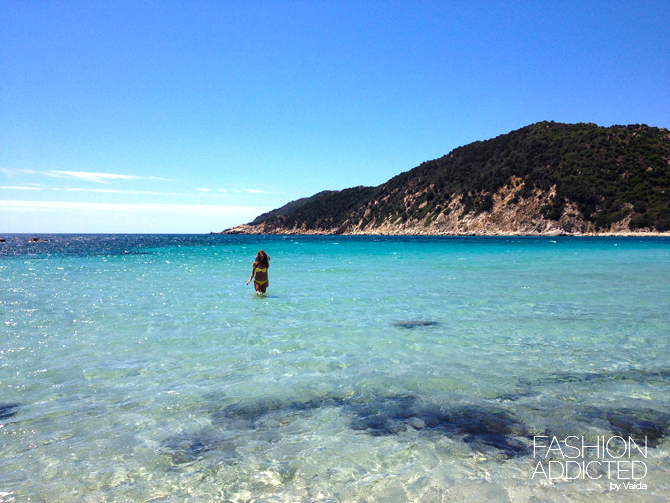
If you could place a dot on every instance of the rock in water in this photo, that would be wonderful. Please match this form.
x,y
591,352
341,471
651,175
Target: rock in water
x,y
414,323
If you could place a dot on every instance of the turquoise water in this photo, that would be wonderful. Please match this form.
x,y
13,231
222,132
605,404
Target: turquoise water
x,y
141,368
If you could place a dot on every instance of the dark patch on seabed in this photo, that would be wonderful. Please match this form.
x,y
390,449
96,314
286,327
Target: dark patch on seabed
x,y
261,415
187,448
8,410
249,412
483,428
529,387
635,375
414,323
639,424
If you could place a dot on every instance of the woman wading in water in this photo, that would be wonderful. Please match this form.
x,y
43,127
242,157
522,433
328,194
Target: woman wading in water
x,y
260,269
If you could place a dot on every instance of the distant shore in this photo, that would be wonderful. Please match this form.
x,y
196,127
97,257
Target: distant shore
x,y
246,229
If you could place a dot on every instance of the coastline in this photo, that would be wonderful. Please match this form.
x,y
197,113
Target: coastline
x,y
504,219
246,229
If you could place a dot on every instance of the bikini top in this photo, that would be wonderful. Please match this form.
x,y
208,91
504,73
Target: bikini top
x,y
262,270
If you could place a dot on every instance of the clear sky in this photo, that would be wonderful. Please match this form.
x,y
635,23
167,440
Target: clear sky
x,y
190,117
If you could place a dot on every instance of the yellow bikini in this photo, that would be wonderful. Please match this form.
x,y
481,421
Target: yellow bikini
x,y
261,283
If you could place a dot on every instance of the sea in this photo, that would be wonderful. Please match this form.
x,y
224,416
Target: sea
x,y
142,368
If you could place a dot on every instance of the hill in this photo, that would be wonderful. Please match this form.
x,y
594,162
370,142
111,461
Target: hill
x,y
546,178
288,208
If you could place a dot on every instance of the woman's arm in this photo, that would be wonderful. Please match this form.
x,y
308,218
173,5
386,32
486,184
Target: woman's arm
x,y
253,271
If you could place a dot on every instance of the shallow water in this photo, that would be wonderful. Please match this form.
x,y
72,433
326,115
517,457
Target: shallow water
x,y
141,368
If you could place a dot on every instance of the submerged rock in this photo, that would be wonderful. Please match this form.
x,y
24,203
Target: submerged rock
x,y
414,323
486,429
651,424
8,410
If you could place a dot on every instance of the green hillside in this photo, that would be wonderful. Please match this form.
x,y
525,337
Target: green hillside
x,y
609,173
289,208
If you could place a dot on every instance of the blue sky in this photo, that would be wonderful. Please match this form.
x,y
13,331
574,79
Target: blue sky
x,y
190,117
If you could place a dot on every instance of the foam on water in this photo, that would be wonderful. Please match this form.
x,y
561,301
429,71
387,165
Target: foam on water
x,y
141,368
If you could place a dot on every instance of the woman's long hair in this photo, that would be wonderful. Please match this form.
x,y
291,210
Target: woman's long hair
x,y
262,259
